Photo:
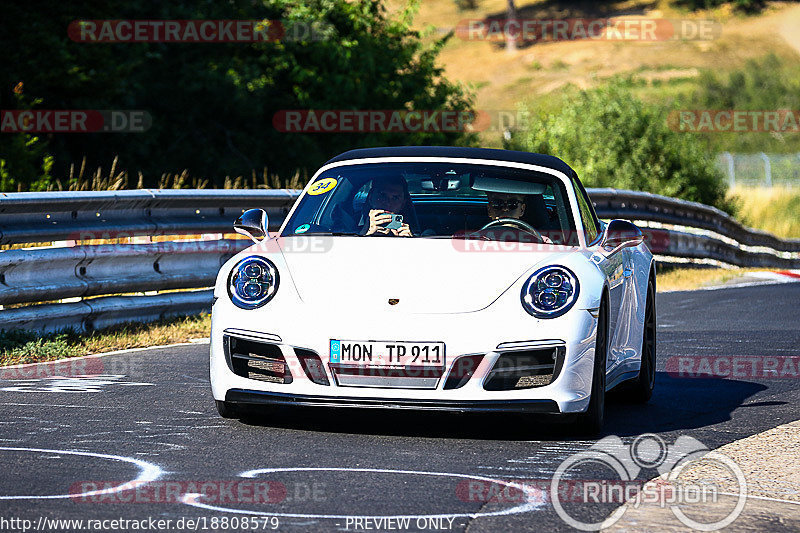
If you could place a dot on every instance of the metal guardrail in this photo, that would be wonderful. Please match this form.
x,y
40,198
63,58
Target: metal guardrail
x,y
31,275
613,203
96,313
96,274
66,271
41,217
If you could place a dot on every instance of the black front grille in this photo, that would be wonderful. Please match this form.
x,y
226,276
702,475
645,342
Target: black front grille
x,y
525,369
463,370
258,360
312,366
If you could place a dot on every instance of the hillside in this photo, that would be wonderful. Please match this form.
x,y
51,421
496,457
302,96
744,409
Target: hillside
x,y
501,80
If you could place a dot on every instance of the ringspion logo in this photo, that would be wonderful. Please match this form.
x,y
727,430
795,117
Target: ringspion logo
x,y
625,462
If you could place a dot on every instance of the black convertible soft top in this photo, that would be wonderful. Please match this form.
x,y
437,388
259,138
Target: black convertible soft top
x,y
530,158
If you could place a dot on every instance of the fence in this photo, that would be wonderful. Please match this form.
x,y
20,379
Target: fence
x,y
67,284
760,169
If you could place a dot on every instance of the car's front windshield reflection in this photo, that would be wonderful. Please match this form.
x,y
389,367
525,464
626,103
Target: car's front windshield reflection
x,y
435,200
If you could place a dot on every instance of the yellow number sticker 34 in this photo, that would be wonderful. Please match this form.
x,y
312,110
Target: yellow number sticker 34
x,y
322,186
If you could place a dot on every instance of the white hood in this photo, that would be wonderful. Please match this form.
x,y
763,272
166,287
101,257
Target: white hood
x,y
425,275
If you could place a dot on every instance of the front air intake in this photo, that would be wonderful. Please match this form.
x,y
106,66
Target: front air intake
x,y
525,369
257,360
312,366
463,369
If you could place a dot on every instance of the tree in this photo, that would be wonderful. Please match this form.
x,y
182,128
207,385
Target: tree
x,y
212,104
511,15
613,139
746,6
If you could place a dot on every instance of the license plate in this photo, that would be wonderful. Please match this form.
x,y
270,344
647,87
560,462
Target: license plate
x,y
387,354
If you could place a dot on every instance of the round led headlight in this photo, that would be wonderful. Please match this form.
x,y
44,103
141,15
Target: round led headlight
x,y
549,292
253,282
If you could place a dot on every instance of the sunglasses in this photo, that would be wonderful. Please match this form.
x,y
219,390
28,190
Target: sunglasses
x,y
505,204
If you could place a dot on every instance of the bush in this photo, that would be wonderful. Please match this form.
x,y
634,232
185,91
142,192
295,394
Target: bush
x,y
745,6
613,139
762,84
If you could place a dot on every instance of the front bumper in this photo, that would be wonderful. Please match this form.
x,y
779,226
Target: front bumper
x,y
491,333
238,396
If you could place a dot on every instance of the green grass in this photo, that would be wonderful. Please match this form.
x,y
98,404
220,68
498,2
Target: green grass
x,y
19,347
26,347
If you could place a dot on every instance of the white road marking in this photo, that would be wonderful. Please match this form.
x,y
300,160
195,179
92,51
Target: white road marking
x,y
61,405
85,383
147,472
191,499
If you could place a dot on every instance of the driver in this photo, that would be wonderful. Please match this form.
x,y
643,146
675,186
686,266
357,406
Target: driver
x,y
504,205
508,205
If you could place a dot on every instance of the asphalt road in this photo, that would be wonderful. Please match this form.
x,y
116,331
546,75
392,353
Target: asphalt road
x,y
150,414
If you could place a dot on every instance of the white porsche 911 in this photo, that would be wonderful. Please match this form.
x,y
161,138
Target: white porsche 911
x,y
458,279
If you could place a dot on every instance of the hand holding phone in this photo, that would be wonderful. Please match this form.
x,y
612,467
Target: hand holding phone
x,y
395,223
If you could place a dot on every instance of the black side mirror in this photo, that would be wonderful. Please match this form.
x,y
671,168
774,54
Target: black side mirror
x,y
621,234
253,223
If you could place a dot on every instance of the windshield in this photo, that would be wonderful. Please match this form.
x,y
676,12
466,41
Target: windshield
x,y
436,200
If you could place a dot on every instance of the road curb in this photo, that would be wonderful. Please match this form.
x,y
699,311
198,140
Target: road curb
x,y
750,279
770,462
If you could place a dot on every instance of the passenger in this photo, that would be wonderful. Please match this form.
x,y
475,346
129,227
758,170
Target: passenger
x,y
387,196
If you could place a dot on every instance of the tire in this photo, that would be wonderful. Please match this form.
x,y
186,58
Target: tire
x,y
591,422
641,389
226,409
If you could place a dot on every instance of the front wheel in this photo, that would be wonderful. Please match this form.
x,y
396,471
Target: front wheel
x,y
641,389
591,421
